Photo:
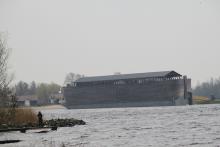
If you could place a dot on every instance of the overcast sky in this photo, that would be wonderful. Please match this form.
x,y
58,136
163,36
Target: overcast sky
x,y
50,38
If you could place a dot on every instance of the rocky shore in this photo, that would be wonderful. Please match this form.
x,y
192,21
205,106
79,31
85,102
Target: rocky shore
x,y
47,123
64,122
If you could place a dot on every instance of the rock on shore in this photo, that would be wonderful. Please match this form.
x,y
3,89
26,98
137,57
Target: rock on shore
x,y
64,122
47,123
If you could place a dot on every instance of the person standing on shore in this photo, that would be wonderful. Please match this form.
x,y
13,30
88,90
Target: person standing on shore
x,y
40,119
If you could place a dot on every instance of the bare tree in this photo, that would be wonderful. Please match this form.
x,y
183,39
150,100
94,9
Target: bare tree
x,y
72,77
4,78
22,88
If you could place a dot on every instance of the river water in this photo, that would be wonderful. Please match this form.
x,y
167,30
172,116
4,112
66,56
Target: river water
x,y
197,125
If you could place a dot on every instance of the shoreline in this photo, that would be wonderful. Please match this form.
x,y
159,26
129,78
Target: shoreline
x,y
47,107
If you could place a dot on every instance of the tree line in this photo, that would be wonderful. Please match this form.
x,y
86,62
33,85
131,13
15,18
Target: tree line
x,y
209,88
41,89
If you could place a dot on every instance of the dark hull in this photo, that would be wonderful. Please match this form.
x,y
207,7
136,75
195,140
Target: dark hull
x,y
150,93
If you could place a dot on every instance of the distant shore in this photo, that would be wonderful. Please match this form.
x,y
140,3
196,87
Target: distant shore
x,y
197,100
48,107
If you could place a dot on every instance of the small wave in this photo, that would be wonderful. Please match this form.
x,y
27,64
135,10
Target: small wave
x,y
200,143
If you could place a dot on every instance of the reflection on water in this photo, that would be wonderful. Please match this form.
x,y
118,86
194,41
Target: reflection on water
x,y
150,126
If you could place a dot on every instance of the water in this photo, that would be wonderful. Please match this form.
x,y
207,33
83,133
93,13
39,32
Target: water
x,y
145,126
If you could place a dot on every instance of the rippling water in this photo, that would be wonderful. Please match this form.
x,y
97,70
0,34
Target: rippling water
x,y
145,126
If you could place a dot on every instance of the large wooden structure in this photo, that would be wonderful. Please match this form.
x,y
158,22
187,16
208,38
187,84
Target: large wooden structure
x,y
129,90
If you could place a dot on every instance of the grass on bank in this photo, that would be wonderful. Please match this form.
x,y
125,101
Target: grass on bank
x,y
17,117
204,100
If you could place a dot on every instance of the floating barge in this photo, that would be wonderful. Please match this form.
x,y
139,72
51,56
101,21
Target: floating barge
x,y
166,88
